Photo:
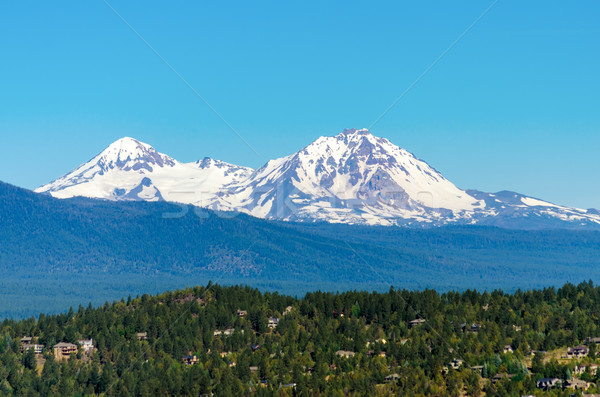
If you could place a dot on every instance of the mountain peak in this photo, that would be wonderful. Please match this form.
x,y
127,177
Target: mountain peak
x,y
350,177
209,162
355,131
128,143
129,153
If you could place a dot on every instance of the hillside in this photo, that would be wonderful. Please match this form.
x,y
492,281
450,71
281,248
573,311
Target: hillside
x,y
144,246
238,341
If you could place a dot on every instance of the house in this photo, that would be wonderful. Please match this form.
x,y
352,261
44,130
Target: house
x,y
499,377
254,347
547,383
273,322
577,351
345,353
253,368
507,349
64,350
576,384
141,335
371,353
456,363
190,360
582,368
392,378
416,322
534,352
592,340
37,349
477,369
242,313
86,344
470,328
380,340
287,310
226,332
26,340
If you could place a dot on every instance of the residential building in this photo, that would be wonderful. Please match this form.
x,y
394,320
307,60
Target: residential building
x,y
64,350
456,363
392,378
345,353
578,351
37,349
86,344
576,384
190,360
547,383
416,322
273,322
592,369
499,377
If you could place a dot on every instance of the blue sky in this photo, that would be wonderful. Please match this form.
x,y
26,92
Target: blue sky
x,y
514,105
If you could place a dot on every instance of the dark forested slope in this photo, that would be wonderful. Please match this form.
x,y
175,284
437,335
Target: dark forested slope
x,y
41,235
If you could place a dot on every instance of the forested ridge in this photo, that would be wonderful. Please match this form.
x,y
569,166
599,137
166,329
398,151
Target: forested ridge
x,y
239,341
47,240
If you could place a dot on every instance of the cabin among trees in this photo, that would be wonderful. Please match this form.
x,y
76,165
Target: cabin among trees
x,y
190,359
63,350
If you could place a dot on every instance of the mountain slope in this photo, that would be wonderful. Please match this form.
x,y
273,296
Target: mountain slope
x,y
41,233
77,250
132,170
353,178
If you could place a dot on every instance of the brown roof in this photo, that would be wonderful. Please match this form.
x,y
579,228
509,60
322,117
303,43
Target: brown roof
x,y
64,344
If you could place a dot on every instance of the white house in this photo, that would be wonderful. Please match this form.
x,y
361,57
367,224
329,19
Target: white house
x,y
86,344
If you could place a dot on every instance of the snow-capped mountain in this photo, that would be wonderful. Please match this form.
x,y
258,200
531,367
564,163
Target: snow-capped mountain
x,y
353,177
132,170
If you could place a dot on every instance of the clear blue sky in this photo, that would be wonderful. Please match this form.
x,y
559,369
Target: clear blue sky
x,y
514,105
